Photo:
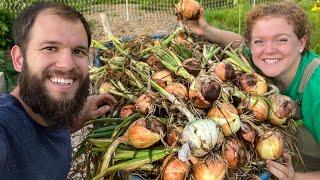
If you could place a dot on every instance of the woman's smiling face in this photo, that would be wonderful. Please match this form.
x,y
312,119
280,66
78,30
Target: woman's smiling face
x,y
276,49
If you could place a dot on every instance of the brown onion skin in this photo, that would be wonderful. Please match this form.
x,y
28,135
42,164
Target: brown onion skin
x,y
282,108
214,170
192,65
127,110
162,78
177,89
247,133
253,83
270,145
187,9
225,72
234,153
257,106
143,103
174,135
176,170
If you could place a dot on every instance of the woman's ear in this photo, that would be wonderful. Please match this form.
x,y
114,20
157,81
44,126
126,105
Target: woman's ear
x,y
303,42
17,58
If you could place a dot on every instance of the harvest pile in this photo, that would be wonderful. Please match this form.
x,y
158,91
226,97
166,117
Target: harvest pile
x,y
187,109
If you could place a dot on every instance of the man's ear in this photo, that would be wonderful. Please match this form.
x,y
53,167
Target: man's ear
x,y
17,58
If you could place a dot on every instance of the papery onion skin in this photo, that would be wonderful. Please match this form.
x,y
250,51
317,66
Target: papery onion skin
x,y
192,65
162,78
139,136
187,9
210,170
174,135
226,115
257,105
234,153
177,89
127,110
270,145
282,108
176,170
201,136
247,132
224,71
143,103
253,83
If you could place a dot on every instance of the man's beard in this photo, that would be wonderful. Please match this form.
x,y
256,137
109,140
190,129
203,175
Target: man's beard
x,y
57,113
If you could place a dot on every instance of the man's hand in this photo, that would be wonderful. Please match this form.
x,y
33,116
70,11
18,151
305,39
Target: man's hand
x,y
96,105
282,172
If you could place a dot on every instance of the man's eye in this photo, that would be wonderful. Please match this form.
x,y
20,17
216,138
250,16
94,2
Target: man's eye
x,y
50,49
80,52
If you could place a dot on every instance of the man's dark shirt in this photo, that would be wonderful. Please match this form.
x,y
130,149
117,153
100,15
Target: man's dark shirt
x,y
28,150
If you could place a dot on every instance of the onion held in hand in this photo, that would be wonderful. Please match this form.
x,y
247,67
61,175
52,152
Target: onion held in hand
x,y
270,145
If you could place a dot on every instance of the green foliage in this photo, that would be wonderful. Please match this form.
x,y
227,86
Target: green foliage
x,y
6,22
9,72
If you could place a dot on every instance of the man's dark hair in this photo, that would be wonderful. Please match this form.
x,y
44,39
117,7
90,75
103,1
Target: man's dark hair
x,y
25,20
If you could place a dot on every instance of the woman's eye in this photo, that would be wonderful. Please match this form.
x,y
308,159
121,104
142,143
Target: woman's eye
x,y
282,41
258,42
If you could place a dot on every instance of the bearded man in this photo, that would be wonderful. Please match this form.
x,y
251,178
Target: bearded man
x,y
51,53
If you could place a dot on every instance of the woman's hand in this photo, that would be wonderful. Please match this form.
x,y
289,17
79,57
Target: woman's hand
x,y
199,25
282,172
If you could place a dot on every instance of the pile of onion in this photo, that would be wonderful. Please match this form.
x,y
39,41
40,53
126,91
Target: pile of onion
x,y
203,91
281,108
234,153
143,133
226,115
270,145
187,9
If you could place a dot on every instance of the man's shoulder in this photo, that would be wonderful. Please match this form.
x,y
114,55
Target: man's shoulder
x,y
10,109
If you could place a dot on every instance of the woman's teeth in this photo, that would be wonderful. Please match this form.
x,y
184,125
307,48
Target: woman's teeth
x,y
61,81
271,61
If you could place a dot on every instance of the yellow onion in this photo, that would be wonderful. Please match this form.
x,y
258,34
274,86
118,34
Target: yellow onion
x,y
174,135
162,78
234,153
210,170
224,71
201,136
176,170
270,145
192,65
226,115
143,133
154,63
177,89
203,91
187,9
126,110
247,132
281,108
253,83
256,105
144,103
105,87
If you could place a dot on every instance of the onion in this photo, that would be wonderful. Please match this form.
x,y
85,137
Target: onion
x,y
203,91
143,103
174,135
234,153
281,108
192,65
176,170
154,63
126,110
253,83
162,78
210,170
144,133
257,106
270,145
187,9
105,87
226,115
177,89
224,71
201,136
247,132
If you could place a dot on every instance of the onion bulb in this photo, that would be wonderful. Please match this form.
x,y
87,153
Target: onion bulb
x,y
210,170
126,110
201,136
253,83
247,132
143,133
192,65
224,71
257,106
281,108
178,90
187,9
105,87
234,153
270,145
176,170
143,103
226,115
162,78
203,91
174,135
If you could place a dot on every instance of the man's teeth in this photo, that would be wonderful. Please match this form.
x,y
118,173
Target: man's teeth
x,y
270,61
61,80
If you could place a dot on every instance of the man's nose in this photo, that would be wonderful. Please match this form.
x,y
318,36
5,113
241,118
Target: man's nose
x,y
65,60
